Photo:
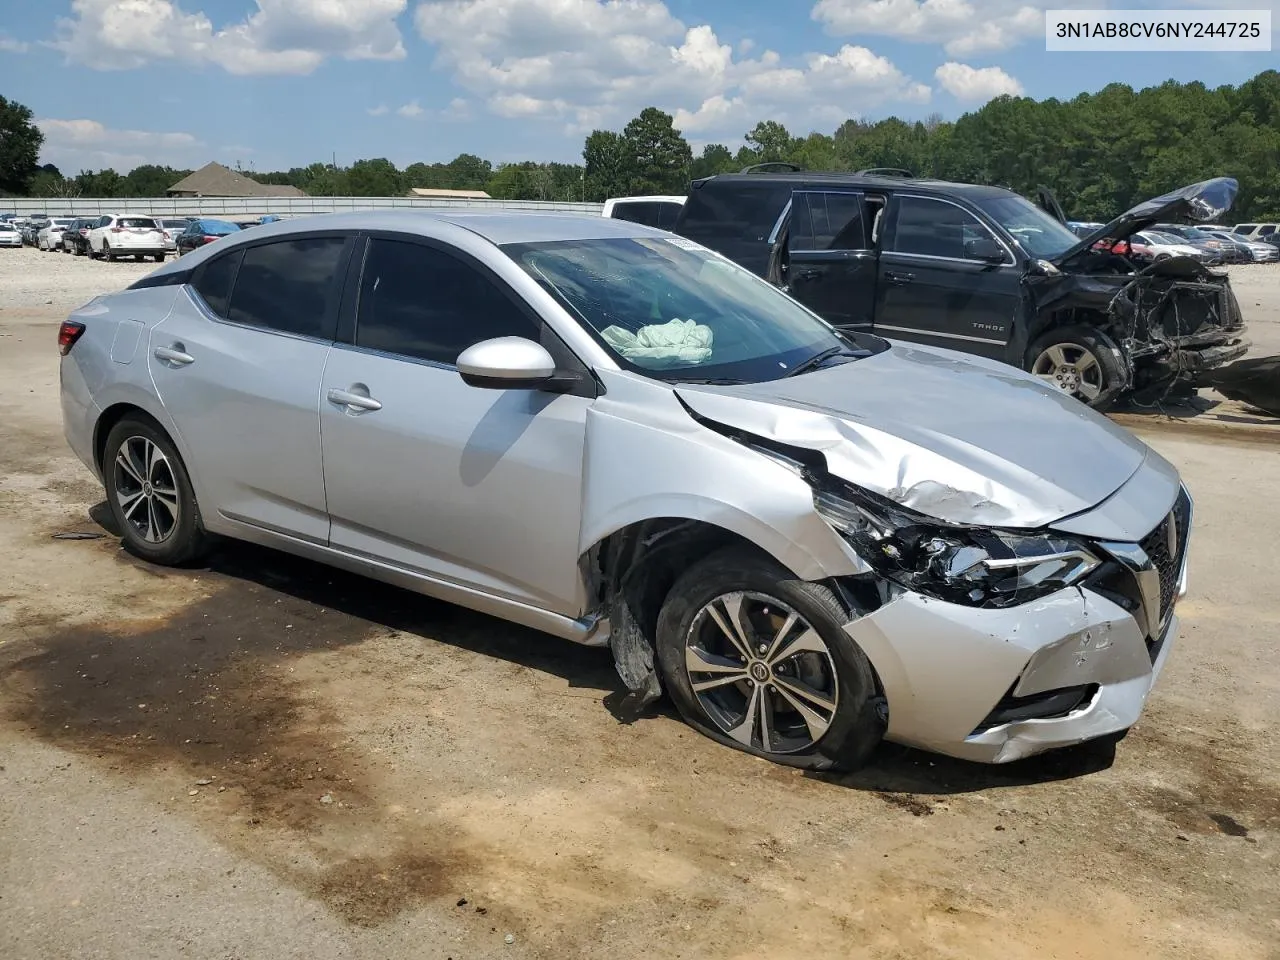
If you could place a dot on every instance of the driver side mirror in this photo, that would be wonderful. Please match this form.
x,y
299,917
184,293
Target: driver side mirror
x,y
507,363
984,248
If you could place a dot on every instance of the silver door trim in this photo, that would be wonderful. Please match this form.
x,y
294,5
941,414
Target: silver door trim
x,y
947,336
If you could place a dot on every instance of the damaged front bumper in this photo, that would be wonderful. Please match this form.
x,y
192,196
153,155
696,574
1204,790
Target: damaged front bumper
x,y
969,682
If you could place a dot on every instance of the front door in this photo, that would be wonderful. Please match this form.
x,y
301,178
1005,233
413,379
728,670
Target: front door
x,y
831,266
237,364
933,287
475,486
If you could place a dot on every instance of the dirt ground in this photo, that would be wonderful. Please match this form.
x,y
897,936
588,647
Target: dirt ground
x,y
269,758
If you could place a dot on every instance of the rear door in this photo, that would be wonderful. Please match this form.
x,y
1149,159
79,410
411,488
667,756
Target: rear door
x,y
931,289
237,364
831,266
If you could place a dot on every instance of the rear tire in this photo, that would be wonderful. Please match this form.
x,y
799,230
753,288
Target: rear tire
x,y
1081,362
815,707
150,494
108,252
158,258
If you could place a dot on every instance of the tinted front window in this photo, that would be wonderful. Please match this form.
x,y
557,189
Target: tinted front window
x,y
1039,234
937,229
424,303
213,281
290,286
827,221
676,312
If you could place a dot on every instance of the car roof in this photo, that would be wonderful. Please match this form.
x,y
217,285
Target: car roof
x,y
802,178
496,226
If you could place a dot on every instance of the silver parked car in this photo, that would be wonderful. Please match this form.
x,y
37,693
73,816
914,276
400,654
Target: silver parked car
x,y
809,540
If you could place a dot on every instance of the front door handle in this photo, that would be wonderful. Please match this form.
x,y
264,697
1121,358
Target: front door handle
x,y
360,401
898,279
174,353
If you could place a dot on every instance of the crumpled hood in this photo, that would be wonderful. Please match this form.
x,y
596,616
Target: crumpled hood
x,y
1202,202
955,437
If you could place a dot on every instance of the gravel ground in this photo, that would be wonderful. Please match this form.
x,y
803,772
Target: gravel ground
x,y
267,758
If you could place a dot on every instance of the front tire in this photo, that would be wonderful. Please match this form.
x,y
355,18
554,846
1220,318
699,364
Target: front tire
x,y
150,494
1081,362
759,661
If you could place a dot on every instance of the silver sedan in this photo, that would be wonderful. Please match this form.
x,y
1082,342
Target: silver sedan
x,y
809,539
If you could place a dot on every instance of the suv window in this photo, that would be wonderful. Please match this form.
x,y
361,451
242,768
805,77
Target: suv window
x,y
145,223
827,221
637,211
424,303
290,286
1267,230
934,228
213,281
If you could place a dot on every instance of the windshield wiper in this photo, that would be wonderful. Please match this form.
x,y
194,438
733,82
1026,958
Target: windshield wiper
x,y
818,359
715,382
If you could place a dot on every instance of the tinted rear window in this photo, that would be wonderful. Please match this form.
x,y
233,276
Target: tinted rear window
x,y
290,286
734,218
638,211
144,222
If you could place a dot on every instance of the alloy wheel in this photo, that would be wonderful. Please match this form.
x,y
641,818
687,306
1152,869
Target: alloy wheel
x,y
146,489
1072,368
761,672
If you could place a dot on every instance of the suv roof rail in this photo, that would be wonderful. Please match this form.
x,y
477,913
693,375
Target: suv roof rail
x,y
886,172
770,165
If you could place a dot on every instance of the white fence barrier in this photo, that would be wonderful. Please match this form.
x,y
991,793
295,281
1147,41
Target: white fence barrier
x,y
261,206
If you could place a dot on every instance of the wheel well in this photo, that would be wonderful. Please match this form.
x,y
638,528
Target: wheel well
x,y
1070,317
110,417
645,558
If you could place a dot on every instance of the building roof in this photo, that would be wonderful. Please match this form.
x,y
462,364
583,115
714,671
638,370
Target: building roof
x,y
455,194
215,180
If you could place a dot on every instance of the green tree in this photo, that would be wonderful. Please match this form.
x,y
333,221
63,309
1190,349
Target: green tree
x,y
609,165
715,158
374,178
770,141
20,142
660,154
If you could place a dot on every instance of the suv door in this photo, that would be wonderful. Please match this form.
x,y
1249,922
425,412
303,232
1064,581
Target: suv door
x,y
237,364
933,288
472,486
831,267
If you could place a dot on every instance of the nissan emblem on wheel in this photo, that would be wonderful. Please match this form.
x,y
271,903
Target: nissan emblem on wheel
x,y
985,271
810,538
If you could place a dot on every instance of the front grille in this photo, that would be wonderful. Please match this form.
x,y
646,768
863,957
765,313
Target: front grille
x,y
1165,545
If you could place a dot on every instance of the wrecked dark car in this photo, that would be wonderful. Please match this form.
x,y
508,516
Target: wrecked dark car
x,y
983,270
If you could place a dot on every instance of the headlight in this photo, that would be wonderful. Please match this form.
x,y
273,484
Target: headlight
x,y
975,566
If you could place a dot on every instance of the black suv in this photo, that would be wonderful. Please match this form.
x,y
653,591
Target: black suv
x,y
75,239
983,270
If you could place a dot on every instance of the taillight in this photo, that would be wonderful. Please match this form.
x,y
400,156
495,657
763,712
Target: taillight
x,y
117,229
208,239
68,334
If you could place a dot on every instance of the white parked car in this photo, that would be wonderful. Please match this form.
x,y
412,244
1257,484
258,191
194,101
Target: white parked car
x,y
654,211
50,235
1256,231
10,236
171,227
1164,245
127,235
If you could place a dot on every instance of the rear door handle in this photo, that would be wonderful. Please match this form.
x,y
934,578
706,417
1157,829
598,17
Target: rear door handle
x,y
174,353
809,275
360,401
899,278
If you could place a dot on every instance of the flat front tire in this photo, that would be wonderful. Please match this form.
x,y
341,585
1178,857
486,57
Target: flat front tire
x,y
759,661
150,494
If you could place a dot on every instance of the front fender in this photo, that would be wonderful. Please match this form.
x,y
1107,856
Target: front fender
x,y
648,459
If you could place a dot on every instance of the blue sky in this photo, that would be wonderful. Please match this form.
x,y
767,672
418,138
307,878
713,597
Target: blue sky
x,y
271,84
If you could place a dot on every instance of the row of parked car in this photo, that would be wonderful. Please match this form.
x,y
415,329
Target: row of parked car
x,y
1211,244
115,236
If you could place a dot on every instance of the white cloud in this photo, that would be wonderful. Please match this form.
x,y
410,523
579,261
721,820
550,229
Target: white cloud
x,y
9,45
589,63
281,36
72,145
976,83
380,110
410,109
963,27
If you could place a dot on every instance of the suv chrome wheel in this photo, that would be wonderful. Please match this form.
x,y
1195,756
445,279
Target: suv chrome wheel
x,y
1072,368
762,674
146,489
